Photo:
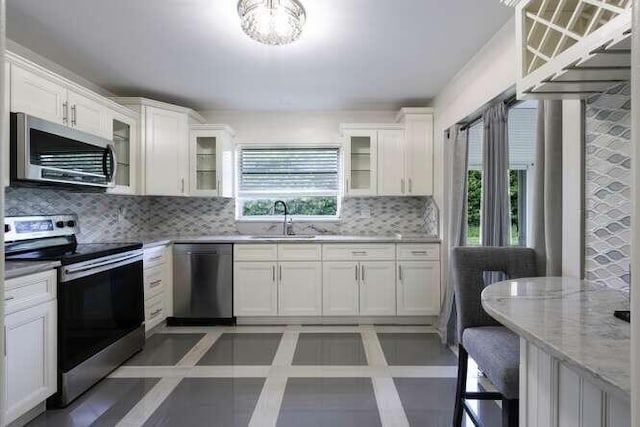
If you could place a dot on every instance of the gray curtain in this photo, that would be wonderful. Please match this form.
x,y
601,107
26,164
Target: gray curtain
x,y
495,216
546,218
456,152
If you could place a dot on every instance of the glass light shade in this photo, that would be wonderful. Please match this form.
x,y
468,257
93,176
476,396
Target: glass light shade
x,y
272,22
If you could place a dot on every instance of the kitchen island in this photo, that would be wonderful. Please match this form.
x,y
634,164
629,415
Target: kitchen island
x,y
574,355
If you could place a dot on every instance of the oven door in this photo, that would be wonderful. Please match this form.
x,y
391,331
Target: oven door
x,y
51,152
99,301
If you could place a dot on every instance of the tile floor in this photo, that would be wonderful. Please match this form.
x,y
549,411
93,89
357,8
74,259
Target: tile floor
x,y
311,376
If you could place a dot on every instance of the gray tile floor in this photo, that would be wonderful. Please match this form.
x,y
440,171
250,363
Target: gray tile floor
x,y
282,376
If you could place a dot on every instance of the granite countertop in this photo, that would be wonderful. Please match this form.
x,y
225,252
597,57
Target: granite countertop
x,y
573,321
151,241
14,269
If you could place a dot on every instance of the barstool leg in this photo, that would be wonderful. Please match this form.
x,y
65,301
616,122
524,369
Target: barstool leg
x,y
463,359
510,412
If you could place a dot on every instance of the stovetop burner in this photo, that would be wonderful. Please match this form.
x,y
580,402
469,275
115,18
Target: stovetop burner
x,y
71,255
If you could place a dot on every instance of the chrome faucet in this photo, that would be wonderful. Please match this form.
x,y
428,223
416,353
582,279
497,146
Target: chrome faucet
x,y
287,227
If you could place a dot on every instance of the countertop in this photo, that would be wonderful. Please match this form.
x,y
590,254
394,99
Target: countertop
x,y
159,240
14,269
571,320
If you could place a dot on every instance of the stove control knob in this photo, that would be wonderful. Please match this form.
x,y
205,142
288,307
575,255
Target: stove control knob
x,y
60,224
71,223
7,228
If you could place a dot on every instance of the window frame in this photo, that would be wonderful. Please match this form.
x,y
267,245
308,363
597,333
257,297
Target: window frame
x,y
240,198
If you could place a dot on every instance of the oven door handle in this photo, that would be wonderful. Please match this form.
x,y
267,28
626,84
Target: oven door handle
x,y
96,267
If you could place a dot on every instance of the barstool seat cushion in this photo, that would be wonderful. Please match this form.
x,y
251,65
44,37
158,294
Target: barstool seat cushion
x,y
496,350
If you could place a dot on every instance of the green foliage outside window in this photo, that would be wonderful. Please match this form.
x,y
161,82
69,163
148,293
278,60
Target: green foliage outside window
x,y
301,206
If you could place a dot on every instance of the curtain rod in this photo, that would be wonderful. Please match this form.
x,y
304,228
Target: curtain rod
x,y
477,115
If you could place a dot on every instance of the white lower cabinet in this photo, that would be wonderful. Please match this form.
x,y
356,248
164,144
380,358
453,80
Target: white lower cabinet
x,y
340,293
255,289
300,288
418,290
378,288
31,344
158,285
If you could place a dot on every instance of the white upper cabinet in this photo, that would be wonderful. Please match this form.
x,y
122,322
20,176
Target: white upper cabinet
x,y
125,142
166,152
88,115
49,98
569,50
211,159
391,173
38,96
390,159
360,162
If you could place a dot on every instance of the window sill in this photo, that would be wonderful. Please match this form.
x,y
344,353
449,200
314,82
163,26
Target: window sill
x,y
333,220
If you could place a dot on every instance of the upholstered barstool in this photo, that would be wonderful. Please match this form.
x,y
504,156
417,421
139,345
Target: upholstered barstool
x,y
494,348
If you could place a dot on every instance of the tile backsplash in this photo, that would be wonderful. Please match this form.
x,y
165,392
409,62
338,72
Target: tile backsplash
x,y
607,187
106,217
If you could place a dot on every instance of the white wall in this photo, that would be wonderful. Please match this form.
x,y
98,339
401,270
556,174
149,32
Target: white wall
x,y
293,127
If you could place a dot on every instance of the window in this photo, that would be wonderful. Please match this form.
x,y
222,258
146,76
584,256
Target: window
x,y
522,134
307,179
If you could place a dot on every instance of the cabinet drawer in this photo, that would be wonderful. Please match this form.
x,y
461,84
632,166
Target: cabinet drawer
x,y
351,252
418,252
154,256
255,252
27,291
154,311
299,252
154,281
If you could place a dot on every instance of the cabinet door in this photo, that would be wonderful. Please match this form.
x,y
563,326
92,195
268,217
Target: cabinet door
x,y
419,155
38,96
125,144
361,163
255,290
88,115
166,145
418,288
30,363
391,174
377,288
300,289
4,145
204,161
340,288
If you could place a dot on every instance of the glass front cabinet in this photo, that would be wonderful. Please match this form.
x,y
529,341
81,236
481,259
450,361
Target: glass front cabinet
x,y
360,161
125,145
211,161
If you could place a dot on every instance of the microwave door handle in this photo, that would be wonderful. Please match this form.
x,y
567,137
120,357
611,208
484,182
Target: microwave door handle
x,y
110,167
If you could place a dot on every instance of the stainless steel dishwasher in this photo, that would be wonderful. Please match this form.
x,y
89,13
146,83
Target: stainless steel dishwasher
x,y
202,284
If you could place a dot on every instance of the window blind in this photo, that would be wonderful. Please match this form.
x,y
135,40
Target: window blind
x,y
308,171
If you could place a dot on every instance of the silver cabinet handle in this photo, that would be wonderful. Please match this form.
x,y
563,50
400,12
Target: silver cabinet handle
x,y
419,252
155,313
182,185
402,186
400,272
356,272
273,273
359,252
410,186
155,258
280,273
218,186
9,298
155,283
65,112
362,273
74,113
347,189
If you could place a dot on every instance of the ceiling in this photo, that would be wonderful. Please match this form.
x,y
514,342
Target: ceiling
x,y
353,54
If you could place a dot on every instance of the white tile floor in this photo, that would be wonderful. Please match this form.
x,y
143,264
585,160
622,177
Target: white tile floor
x,y
269,395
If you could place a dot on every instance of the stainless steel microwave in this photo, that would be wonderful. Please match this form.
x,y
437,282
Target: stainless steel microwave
x,y
50,153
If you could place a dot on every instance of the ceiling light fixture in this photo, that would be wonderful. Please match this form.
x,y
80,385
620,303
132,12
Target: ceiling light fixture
x,y
272,22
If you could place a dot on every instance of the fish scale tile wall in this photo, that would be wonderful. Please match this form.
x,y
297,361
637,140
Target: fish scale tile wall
x,y
607,192
106,217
